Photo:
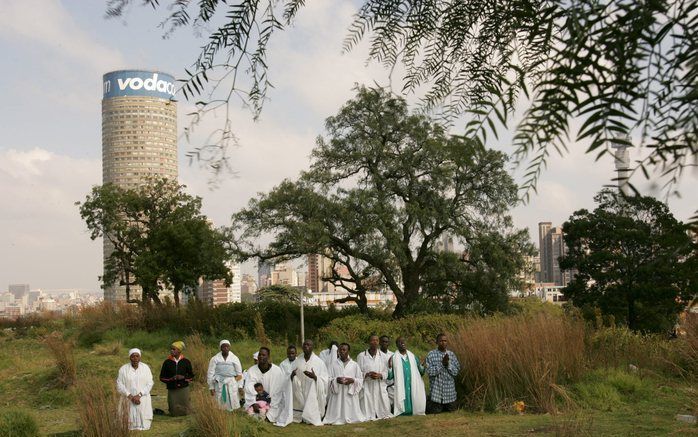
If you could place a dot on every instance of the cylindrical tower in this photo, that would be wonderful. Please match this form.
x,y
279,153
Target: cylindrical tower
x,y
139,135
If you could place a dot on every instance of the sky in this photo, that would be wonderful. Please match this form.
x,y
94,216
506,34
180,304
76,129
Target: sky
x,y
54,55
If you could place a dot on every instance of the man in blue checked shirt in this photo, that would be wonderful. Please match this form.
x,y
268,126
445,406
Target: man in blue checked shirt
x,y
442,368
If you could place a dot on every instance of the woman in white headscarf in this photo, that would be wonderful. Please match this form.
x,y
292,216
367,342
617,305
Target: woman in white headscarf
x,y
224,373
134,383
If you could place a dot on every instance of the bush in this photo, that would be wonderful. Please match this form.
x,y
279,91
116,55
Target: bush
x,y
621,347
62,351
609,389
419,330
103,413
18,423
519,358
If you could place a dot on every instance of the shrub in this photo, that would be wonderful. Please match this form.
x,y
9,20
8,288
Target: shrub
x,y
62,351
526,357
420,330
110,348
103,413
260,332
18,423
621,347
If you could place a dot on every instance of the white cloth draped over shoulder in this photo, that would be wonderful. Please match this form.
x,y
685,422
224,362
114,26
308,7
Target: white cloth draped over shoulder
x,y
375,403
309,396
131,382
221,377
288,366
419,396
343,405
277,384
329,356
390,388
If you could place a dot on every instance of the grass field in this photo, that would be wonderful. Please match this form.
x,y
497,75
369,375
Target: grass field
x,y
607,402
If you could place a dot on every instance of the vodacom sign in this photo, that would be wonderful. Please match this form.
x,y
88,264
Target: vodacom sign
x,y
138,83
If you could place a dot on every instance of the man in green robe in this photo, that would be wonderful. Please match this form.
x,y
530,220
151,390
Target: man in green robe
x,y
407,371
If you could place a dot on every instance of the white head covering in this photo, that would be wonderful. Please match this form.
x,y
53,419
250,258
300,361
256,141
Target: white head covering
x,y
255,355
222,342
135,350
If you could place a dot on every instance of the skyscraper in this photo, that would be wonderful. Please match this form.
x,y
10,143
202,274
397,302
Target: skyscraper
x,y
139,135
552,247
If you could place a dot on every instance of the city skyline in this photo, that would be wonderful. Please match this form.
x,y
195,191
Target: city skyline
x,y
45,170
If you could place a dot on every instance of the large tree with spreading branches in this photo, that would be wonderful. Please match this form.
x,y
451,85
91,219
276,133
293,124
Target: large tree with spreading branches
x,y
383,189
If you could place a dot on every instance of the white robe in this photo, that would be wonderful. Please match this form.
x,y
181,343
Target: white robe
x,y
132,382
288,366
419,395
221,378
328,356
375,403
343,405
309,396
276,383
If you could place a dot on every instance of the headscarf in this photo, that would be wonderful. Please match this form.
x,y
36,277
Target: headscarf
x,y
223,342
179,345
135,350
255,355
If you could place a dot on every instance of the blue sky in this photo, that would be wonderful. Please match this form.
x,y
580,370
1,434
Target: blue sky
x,y
54,54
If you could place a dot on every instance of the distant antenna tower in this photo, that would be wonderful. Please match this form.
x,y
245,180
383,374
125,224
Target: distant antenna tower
x,y
622,155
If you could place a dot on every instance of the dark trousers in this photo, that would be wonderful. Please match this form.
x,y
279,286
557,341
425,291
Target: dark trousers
x,y
436,408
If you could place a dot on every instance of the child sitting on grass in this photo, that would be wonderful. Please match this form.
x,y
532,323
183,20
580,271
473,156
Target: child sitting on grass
x,y
263,401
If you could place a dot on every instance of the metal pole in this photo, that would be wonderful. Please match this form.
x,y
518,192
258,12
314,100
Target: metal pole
x,y
302,318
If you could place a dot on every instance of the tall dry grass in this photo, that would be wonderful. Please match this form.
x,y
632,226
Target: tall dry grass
x,y
209,420
62,351
688,345
199,355
260,331
103,413
522,358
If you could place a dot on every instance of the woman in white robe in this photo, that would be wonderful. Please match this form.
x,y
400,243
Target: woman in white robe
x,y
135,381
224,373
375,403
346,380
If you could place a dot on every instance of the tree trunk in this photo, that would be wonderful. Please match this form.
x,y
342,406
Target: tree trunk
x,y
175,292
632,317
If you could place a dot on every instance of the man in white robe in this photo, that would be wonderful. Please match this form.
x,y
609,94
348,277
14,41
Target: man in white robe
x,y
346,380
387,353
329,355
134,382
276,383
407,371
374,368
224,373
309,385
289,364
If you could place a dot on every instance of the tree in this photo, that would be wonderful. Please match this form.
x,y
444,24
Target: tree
x,y
280,293
612,67
635,261
383,188
157,237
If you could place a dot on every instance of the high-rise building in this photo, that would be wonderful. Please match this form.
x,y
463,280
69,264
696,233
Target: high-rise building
x,y
264,274
139,136
18,290
216,293
552,247
319,266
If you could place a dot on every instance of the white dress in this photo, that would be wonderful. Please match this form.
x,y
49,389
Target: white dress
x,y
419,395
309,396
221,378
343,405
133,382
375,403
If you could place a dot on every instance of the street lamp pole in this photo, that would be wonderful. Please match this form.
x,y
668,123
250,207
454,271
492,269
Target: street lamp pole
x,y
302,317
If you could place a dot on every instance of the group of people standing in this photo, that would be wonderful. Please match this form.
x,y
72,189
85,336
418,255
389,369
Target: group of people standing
x,y
325,388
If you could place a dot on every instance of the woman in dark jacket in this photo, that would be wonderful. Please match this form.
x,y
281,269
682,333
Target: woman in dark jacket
x,y
177,373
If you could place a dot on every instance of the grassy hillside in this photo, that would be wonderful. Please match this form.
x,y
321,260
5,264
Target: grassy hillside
x,y
603,402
